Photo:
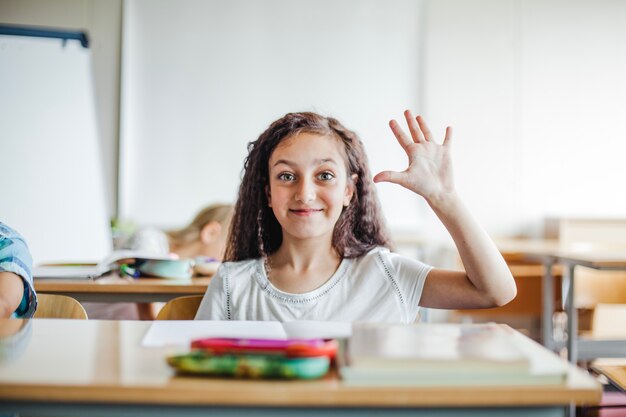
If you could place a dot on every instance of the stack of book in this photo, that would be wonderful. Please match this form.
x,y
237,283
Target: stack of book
x,y
445,354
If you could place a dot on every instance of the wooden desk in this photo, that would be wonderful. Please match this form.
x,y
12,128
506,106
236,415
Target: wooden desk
x,y
116,289
516,251
98,368
615,373
528,300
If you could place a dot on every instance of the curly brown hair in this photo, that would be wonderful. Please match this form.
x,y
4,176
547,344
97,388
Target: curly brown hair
x,y
255,232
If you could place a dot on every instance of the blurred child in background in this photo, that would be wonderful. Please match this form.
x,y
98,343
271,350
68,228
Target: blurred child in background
x,y
204,239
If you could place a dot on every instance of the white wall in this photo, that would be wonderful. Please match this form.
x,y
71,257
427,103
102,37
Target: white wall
x,y
537,94
574,107
534,89
201,79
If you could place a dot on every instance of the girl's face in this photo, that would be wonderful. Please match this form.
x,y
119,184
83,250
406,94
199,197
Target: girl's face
x,y
308,185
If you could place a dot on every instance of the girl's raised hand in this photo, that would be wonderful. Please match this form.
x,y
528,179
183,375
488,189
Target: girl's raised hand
x,y
429,173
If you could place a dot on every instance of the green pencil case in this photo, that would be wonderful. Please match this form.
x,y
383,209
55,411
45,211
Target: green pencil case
x,y
250,366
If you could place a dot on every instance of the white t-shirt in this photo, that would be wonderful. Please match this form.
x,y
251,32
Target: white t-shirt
x,y
379,286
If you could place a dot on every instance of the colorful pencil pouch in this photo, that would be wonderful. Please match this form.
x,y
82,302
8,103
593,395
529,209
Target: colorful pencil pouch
x,y
291,348
250,366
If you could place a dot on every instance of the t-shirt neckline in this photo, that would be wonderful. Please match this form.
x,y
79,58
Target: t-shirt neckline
x,y
269,288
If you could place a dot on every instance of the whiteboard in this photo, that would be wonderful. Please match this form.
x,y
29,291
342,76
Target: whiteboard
x,y
51,180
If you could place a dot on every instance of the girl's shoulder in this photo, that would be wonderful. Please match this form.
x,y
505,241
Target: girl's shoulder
x,y
375,257
374,254
236,268
388,260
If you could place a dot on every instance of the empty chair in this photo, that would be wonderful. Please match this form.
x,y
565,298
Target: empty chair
x,y
180,308
593,287
609,321
52,306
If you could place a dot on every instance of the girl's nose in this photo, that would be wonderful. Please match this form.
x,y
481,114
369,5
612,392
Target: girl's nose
x,y
305,192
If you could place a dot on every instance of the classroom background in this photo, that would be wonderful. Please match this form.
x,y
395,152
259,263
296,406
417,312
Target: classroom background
x,y
147,121
151,122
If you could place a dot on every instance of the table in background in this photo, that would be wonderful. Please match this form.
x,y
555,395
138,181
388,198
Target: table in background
x,y
526,310
616,373
577,348
98,368
112,289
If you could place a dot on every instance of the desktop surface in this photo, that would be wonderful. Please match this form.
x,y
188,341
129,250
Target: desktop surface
x,y
103,362
114,288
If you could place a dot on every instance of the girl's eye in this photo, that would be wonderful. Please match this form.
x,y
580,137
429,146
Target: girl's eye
x,y
326,176
285,176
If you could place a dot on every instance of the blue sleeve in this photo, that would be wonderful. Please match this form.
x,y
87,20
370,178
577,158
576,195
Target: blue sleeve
x,y
15,257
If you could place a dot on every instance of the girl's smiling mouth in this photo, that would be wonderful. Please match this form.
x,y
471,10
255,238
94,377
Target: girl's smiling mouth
x,y
305,211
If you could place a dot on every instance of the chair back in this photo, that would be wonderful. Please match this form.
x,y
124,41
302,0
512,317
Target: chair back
x,y
608,321
180,308
594,287
53,306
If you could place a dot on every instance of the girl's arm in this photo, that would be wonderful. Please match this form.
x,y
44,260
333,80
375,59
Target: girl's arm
x,y
487,280
11,293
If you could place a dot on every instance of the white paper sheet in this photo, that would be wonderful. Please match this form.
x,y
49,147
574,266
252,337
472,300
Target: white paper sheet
x,y
182,332
310,329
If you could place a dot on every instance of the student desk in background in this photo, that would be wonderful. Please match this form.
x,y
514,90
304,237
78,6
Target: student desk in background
x,y
98,368
113,289
616,373
579,348
526,310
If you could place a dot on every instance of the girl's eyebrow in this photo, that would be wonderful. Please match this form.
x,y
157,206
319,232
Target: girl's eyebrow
x,y
315,162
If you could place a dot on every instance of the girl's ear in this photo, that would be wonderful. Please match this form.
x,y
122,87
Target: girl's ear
x,y
268,194
350,187
210,232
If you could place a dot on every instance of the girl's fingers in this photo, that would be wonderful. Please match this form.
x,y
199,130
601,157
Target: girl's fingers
x,y
389,176
414,128
424,128
403,139
448,139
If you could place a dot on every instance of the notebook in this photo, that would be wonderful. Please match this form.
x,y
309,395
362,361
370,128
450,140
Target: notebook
x,y
445,354
91,271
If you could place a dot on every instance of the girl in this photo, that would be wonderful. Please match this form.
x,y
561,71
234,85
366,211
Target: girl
x,y
308,242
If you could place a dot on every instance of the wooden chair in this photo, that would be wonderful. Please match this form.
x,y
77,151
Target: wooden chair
x,y
609,322
180,308
52,306
593,287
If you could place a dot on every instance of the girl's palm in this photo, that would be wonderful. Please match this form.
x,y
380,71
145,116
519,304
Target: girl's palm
x,y
429,173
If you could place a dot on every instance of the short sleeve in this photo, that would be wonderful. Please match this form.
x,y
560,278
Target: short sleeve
x,y
410,275
214,302
15,257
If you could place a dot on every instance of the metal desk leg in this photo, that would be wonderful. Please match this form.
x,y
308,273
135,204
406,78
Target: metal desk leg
x,y
572,316
547,304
